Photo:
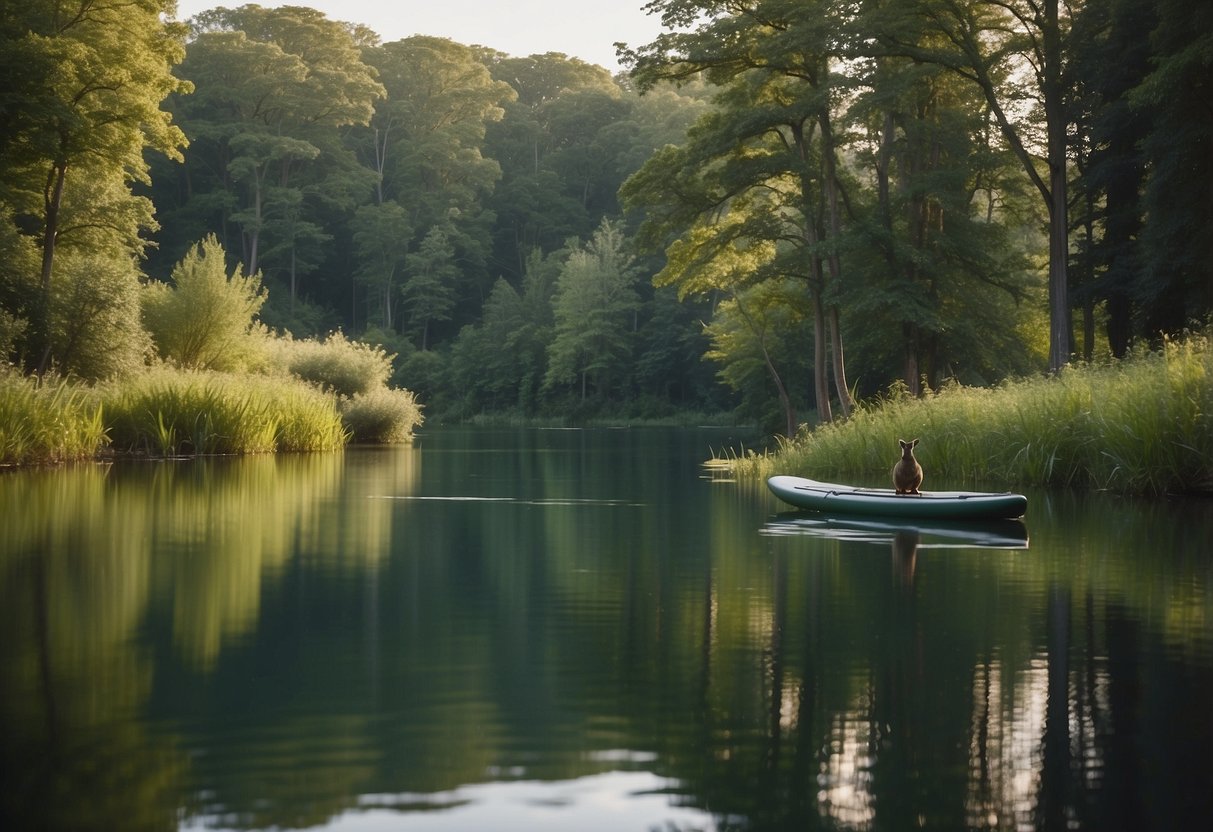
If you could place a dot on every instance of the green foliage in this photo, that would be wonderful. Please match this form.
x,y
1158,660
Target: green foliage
x,y
96,331
425,372
593,311
344,367
166,412
205,320
82,104
499,364
1176,276
758,329
381,416
429,292
431,125
12,329
381,235
268,165
18,288
1138,426
46,421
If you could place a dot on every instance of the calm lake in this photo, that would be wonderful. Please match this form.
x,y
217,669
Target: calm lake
x,y
581,630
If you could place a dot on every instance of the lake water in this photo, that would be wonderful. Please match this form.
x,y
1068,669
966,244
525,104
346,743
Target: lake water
x,y
581,630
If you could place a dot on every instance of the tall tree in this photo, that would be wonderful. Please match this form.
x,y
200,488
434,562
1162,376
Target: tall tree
x,y
84,103
939,219
382,232
274,86
776,60
429,290
426,141
1015,52
1177,284
594,309
1110,58
555,183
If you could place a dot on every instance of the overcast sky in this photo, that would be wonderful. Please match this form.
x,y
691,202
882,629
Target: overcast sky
x,y
585,29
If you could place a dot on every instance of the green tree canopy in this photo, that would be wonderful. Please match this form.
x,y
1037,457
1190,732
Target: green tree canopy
x,y
594,309
82,102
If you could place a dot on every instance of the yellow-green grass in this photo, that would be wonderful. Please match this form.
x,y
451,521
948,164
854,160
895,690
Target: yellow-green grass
x,y
1142,425
46,421
167,412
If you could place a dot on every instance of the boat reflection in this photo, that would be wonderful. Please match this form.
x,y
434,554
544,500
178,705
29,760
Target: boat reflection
x,y
903,535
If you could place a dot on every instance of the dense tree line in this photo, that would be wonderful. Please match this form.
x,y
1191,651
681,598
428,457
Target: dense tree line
x,y
821,197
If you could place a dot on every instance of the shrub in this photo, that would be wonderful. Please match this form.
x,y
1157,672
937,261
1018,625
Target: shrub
x,y
205,320
382,416
347,368
94,318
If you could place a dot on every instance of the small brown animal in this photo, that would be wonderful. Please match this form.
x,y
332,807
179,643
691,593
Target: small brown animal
x,y
907,473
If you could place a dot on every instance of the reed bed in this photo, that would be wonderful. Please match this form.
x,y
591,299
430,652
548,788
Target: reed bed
x,y
47,421
168,412
1142,425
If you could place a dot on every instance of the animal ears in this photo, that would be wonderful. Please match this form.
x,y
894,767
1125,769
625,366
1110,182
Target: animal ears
x,y
905,444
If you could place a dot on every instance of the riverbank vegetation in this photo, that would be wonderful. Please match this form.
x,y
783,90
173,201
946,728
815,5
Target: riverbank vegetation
x,y
777,210
208,378
1141,425
45,421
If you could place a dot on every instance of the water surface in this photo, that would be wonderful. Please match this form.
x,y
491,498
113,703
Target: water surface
x,y
529,630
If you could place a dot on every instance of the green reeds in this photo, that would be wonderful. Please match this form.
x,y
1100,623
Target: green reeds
x,y
1142,425
46,421
173,412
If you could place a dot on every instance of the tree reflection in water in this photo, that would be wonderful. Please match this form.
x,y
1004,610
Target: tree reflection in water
x,y
550,624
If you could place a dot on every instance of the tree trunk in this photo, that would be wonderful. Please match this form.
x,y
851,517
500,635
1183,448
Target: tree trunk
x,y
821,381
50,233
1047,59
1061,338
834,232
840,366
911,371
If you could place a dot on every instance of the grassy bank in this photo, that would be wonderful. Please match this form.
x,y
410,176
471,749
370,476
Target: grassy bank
x,y
170,412
1143,425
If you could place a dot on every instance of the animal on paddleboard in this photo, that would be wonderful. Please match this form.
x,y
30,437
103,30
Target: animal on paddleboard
x,y
907,473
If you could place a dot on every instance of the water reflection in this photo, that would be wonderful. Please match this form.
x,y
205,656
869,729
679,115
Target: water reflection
x,y
574,630
984,534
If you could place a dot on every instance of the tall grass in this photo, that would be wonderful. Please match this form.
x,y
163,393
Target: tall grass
x,y
46,421
1142,425
168,412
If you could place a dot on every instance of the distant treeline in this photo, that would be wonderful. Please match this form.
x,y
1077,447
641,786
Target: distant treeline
x,y
532,235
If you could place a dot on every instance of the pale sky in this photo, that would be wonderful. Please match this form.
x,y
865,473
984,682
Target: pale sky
x,y
585,29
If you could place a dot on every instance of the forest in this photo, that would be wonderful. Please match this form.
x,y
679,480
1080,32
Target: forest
x,y
781,206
